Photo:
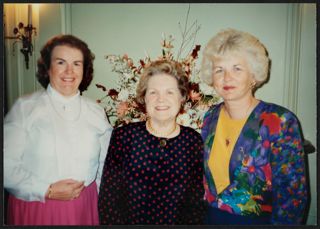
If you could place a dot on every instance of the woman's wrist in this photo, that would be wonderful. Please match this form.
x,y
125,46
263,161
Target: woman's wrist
x,y
49,192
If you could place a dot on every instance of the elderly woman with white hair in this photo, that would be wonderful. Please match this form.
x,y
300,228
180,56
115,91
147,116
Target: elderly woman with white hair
x,y
254,158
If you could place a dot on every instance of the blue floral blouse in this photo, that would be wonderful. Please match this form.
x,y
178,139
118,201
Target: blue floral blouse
x,y
267,169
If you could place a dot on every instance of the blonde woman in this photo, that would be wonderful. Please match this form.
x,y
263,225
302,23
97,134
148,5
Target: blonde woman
x,y
254,158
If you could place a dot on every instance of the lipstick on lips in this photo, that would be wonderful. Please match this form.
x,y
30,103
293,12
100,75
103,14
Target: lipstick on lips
x,y
228,87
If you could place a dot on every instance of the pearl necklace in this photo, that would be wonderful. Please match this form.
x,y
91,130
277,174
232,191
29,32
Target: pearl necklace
x,y
158,133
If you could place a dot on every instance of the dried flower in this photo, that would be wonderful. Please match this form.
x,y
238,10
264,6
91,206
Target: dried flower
x,y
121,107
119,103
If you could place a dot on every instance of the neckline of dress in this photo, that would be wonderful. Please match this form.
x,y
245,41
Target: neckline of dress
x,y
156,137
59,97
50,92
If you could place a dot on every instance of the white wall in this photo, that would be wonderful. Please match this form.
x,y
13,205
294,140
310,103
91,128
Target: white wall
x,y
287,30
136,28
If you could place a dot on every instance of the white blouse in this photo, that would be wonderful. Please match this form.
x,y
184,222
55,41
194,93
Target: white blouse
x,y
48,137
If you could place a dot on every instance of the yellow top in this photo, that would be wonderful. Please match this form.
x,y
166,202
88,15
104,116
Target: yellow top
x,y
227,133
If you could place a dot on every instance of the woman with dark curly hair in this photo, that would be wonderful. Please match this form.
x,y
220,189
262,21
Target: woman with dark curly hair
x,y
154,169
55,142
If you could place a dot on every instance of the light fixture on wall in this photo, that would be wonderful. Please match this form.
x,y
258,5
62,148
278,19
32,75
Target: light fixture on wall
x,y
24,34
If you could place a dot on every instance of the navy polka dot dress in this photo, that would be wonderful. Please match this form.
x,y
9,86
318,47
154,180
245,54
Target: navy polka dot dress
x,y
145,182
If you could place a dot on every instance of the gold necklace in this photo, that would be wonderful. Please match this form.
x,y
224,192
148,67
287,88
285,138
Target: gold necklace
x,y
158,133
228,139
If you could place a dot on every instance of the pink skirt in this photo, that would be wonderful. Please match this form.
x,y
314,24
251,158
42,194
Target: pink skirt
x,y
80,211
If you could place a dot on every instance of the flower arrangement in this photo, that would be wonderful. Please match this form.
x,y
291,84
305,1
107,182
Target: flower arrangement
x,y
120,105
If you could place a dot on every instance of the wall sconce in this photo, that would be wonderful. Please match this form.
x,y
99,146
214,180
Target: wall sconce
x,y
24,34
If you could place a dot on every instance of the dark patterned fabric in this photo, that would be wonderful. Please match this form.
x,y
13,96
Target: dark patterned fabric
x,y
267,168
145,182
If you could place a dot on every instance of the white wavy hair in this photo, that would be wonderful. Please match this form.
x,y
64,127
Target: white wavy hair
x,y
230,41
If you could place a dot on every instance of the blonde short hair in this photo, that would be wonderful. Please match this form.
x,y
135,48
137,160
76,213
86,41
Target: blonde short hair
x,y
231,40
171,68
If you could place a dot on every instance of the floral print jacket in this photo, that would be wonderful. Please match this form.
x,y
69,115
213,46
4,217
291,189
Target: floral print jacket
x,y
267,170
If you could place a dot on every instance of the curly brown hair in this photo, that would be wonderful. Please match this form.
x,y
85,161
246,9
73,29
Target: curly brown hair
x,y
73,42
171,68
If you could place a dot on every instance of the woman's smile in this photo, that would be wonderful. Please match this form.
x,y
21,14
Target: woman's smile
x,y
162,108
226,88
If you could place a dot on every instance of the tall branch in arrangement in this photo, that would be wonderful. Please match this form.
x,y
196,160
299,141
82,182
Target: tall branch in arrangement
x,y
186,36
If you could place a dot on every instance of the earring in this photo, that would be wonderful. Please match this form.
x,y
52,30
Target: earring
x,y
253,84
